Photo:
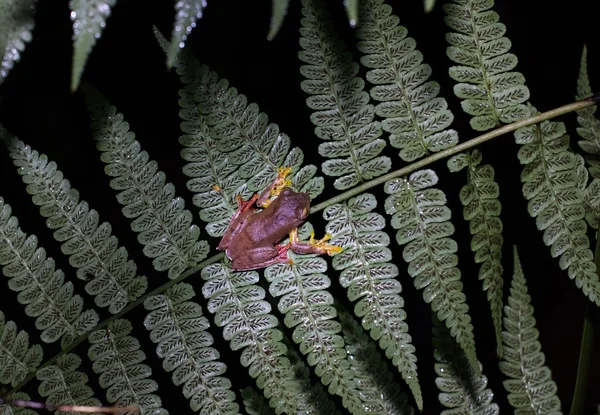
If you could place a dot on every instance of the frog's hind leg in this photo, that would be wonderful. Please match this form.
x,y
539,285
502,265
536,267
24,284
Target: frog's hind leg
x,y
255,258
243,212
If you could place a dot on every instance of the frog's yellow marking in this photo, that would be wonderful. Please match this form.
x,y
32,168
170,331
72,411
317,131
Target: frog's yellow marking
x,y
280,181
322,244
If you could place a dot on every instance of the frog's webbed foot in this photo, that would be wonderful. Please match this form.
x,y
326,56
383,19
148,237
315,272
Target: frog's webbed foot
x,y
275,188
313,246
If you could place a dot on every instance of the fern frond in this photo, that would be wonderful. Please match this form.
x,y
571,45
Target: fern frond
x,y
491,92
462,390
342,114
163,224
351,7
17,359
255,403
416,118
58,311
368,275
61,383
117,358
7,409
187,13
16,25
372,375
239,306
89,19
278,12
482,210
589,131
530,387
308,310
229,145
552,185
420,214
178,327
91,247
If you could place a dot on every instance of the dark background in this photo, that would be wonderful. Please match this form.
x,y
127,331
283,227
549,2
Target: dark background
x,y
128,67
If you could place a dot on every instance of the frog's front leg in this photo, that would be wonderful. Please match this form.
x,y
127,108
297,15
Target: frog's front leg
x,y
264,199
313,246
261,257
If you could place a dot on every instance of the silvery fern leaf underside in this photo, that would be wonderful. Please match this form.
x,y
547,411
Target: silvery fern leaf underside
x,y
187,13
370,277
530,386
342,114
16,25
179,329
462,390
279,9
62,384
420,214
50,300
416,118
90,245
117,359
159,217
17,358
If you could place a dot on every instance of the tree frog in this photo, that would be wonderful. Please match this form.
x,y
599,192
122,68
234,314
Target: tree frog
x,y
251,239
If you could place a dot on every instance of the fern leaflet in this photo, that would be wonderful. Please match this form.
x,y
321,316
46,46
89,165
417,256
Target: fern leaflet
x,y
187,13
91,247
279,10
7,409
89,19
552,185
17,359
343,116
255,403
482,209
16,25
178,327
420,214
415,117
308,309
163,224
369,277
489,90
372,375
117,358
462,390
61,383
530,387
589,131
58,312
239,306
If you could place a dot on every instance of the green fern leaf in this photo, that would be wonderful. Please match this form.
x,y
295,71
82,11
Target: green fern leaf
x,y
369,277
415,117
372,375
89,19
482,210
161,220
255,403
62,384
279,10
428,5
117,358
7,409
17,359
90,246
16,25
490,91
187,13
351,7
239,307
420,214
589,131
308,309
551,184
179,329
343,116
58,312
462,390
530,387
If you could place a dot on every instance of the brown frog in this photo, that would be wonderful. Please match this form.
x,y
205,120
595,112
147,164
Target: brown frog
x,y
251,239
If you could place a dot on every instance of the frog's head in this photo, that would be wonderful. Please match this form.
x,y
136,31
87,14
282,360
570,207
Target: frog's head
x,y
295,206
